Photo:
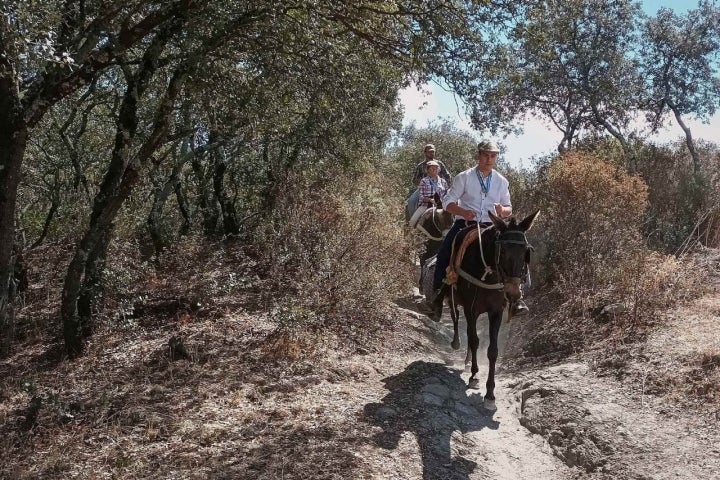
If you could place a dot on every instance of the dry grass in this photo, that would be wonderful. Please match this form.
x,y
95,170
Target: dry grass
x,y
253,400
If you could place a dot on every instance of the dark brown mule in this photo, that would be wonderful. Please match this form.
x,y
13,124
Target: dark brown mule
x,y
489,277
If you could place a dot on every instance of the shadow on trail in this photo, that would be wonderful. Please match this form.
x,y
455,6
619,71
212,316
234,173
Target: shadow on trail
x,y
430,401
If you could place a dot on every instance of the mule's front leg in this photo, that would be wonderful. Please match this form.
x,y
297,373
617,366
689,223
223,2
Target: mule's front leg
x,y
455,315
495,320
473,344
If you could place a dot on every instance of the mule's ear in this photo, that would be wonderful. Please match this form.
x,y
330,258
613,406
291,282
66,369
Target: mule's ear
x,y
438,200
499,223
527,222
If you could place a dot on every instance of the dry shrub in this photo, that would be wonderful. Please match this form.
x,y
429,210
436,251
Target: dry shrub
x,y
589,226
684,204
335,256
601,282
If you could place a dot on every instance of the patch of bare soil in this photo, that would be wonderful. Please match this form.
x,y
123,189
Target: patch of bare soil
x,y
609,430
182,390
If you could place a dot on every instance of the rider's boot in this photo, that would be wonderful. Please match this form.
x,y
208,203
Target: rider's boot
x,y
437,303
519,308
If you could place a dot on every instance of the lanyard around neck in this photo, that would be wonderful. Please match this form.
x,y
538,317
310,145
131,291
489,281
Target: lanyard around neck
x,y
485,186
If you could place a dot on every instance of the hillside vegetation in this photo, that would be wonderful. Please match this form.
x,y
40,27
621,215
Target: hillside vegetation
x,y
202,214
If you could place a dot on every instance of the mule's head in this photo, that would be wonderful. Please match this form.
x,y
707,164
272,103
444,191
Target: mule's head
x,y
435,221
512,251
443,219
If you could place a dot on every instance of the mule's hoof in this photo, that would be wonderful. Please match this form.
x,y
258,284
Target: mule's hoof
x,y
519,309
455,344
489,405
474,383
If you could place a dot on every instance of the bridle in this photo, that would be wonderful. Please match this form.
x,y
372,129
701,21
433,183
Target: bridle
x,y
511,237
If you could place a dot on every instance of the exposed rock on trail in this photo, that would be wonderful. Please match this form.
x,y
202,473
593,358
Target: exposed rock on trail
x,y
609,431
596,425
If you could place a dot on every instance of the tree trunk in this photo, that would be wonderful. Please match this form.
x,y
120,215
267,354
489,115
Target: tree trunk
x,y
206,200
46,226
91,290
227,209
86,266
160,195
120,178
13,140
184,210
114,189
689,141
611,129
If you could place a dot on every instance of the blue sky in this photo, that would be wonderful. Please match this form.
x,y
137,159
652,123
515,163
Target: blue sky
x,y
432,101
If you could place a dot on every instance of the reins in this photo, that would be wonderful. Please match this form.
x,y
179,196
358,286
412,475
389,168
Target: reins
x,y
482,255
434,222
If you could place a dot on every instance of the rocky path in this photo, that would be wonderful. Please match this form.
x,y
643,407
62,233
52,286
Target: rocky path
x,y
433,427
557,422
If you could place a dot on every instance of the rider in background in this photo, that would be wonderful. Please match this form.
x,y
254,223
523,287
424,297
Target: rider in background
x,y
421,168
431,184
472,194
420,172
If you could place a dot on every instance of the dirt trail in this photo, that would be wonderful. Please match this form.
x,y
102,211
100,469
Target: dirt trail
x,y
433,427
556,422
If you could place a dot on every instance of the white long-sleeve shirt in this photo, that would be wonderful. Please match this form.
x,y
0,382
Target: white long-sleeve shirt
x,y
467,192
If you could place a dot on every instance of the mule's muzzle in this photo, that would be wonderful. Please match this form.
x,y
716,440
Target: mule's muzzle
x,y
512,288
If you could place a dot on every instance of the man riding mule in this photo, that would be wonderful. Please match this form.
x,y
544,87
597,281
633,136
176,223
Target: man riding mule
x,y
474,194
487,265
420,172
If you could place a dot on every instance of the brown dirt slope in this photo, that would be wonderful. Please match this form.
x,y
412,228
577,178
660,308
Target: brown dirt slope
x,y
249,401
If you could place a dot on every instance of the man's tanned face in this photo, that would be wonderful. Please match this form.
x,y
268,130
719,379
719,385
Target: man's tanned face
x,y
487,161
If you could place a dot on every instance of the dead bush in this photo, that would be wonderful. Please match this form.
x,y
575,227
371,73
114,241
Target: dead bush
x,y
589,226
600,281
335,256
684,204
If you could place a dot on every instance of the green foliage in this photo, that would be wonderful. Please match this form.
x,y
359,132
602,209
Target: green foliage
x,y
285,125
565,61
454,147
678,48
